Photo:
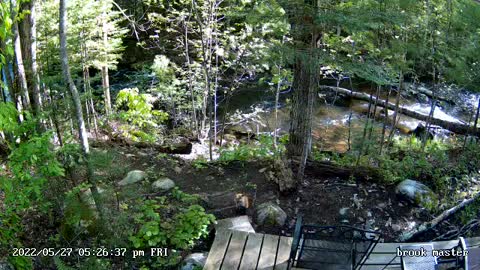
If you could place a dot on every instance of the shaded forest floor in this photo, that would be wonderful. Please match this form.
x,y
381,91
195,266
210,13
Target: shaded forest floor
x,y
321,200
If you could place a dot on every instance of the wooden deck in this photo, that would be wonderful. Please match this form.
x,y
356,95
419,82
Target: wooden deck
x,y
233,250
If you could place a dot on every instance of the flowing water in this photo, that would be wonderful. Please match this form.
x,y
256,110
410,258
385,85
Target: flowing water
x,y
254,109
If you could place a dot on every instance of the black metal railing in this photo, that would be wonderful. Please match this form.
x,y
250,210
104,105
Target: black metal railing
x,y
331,247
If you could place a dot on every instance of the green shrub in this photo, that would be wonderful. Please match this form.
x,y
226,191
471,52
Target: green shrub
x,y
31,163
174,221
157,226
135,109
261,149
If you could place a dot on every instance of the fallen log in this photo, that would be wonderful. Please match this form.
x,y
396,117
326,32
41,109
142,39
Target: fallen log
x,y
330,169
430,94
458,128
405,237
180,147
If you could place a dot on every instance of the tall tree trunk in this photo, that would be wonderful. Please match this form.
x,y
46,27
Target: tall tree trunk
x,y
105,79
397,107
190,79
37,97
277,98
77,104
28,38
22,78
304,85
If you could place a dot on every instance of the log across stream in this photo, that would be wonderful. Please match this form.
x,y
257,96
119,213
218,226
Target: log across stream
x,y
459,128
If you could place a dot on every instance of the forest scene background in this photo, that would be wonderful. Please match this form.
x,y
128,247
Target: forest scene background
x,y
137,124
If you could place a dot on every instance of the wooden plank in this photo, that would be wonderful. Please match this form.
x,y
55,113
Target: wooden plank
x,y
235,250
217,251
252,251
283,253
268,252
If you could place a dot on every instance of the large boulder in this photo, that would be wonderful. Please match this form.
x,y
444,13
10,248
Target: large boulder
x,y
132,177
416,193
163,184
194,261
270,213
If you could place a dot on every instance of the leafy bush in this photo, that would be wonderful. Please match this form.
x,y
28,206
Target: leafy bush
x,y
158,227
406,158
175,221
30,163
136,110
263,148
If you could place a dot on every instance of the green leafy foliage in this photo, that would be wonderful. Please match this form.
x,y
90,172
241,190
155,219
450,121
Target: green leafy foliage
x,y
31,163
135,109
174,221
157,227
263,148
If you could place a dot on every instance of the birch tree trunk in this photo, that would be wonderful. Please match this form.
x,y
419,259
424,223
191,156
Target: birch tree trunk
x,y
77,105
22,78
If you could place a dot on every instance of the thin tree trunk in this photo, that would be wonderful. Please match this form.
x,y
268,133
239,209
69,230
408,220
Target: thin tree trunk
x,y
476,117
365,128
90,103
37,98
277,98
78,106
106,90
370,131
385,122
190,82
397,107
22,79
105,78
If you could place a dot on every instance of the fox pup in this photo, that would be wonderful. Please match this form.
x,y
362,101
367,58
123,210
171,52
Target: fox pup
x,y
244,203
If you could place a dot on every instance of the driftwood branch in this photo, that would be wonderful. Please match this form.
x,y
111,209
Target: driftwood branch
x,y
433,223
458,128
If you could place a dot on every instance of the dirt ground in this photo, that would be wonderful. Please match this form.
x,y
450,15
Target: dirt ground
x,y
320,200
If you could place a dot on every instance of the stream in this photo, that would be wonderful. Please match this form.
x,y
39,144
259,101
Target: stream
x,y
254,108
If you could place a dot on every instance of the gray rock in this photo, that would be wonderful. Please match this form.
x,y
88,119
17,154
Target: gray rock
x,y
270,213
343,211
88,197
396,227
416,193
132,177
164,184
422,98
194,260
241,223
